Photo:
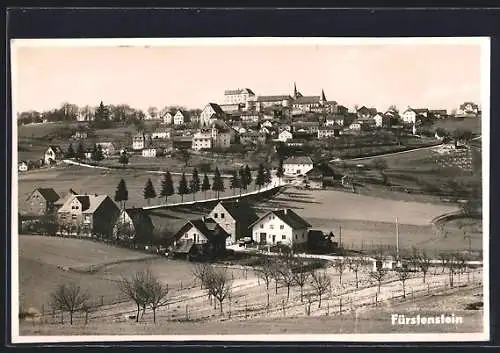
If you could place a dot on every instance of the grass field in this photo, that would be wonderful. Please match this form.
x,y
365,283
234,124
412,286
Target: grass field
x,y
97,181
471,124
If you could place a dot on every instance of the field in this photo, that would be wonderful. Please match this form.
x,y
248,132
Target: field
x,y
471,124
97,181
247,303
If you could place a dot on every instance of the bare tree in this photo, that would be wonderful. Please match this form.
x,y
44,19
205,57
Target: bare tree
x,y
265,273
423,263
356,265
286,274
275,274
200,272
134,287
445,258
340,266
321,284
403,275
300,277
219,284
379,275
156,294
69,297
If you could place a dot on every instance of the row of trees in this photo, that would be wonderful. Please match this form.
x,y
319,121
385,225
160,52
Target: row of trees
x,y
97,153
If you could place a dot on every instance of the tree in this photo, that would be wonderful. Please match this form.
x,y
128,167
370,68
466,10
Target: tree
x,y
156,294
260,179
403,275
321,284
167,186
393,108
121,193
219,284
194,185
265,273
149,191
184,156
134,288
243,178
423,263
94,154
378,276
217,183
235,181
280,171
200,272
457,136
248,176
300,277
267,177
340,266
70,153
80,152
183,188
286,274
123,160
97,153
205,185
355,265
69,297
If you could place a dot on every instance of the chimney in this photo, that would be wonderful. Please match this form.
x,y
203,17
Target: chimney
x,y
285,211
203,219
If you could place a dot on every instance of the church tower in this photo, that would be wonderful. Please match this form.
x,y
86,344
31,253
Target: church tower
x,y
295,95
322,98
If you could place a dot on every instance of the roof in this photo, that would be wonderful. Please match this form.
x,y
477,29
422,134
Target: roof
x,y
64,197
467,103
288,216
240,211
329,128
183,247
207,226
272,98
421,110
56,148
90,203
48,194
105,144
307,100
438,111
298,160
217,108
139,217
239,91
85,201
335,117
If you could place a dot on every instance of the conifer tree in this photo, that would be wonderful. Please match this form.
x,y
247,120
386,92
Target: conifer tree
x,y
80,152
121,193
260,179
167,186
248,173
280,172
183,187
235,181
218,183
149,191
70,153
194,185
243,178
205,185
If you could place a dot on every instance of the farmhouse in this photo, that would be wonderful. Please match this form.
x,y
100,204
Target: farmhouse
x,y
149,152
202,140
329,131
80,134
334,120
53,154
41,201
438,113
234,218
382,120
22,166
285,136
138,142
281,227
364,112
180,118
88,215
200,237
410,116
210,113
133,224
297,165
222,135
167,118
64,197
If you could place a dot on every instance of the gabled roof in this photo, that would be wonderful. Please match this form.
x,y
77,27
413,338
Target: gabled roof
x,y
64,197
90,203
239,91
217,109
85,201
272,98
49,194
421,110
208,227
56,148
288,216
139,217
298,160
307,100
240,211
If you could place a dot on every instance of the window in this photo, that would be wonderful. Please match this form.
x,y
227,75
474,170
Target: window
x,y
282,226
283,237
271,226
73,216
216,215
261,226
222,215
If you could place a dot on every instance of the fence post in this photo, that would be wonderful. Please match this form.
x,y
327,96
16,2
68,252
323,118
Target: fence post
x,y
86,316
283,306
246,311
412,297
428,289
102,300
327,308
62,317
53,313
43,313
181,285
340,306
246,273
376,298
187,312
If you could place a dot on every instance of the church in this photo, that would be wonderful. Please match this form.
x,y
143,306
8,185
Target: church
x,y
302,104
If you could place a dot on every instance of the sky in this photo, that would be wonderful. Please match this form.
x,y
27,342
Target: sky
x,y
416,75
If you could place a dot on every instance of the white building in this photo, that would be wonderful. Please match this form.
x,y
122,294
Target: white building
x,y
298,165
210,113
382,120
138,142
334,120
53,154
250,117
167,118
281,227
409,116
22,166
328,131
179,118
149,152
108,149
238,96
202,140
285,136
161,134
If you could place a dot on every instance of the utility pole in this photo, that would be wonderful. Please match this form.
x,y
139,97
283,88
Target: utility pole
x,y
340,236
469,238
397,239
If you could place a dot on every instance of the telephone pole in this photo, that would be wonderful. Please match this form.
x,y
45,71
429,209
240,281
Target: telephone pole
x,y
340,236
397,238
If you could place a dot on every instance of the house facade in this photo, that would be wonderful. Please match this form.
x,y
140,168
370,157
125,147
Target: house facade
x,y
149,152
250,117
53,154
253,138
41,201
179,118
281,227
88,216
329,131
138,142
161,134
382,120
297,165
210,113
334,121
409,116
263,102
222,135
133,225
22,166
235,218
108,149
167,118
202,140
238,96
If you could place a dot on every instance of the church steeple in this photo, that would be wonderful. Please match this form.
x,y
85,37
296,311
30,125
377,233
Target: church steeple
x,y
294,90
322,99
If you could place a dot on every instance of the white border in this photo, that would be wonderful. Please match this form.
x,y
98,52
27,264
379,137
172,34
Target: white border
x,y
483,42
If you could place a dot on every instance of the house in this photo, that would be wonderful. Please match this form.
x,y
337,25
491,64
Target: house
x,y
253,138
295,143
88,215
438,113
202,140
297,165
364,112
108,149
41,201
468,109
150,152
22,166
263,102
281,227
231,109
203,237
265,130
310,127
335,120
267,124
409,116
180,118
238,96
356,125
222,134
134,225
64,197
161,134
320,242
53,154
382,120
138,142
167,118
329,131
424,112
250,117
80,134
210,113
234,217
